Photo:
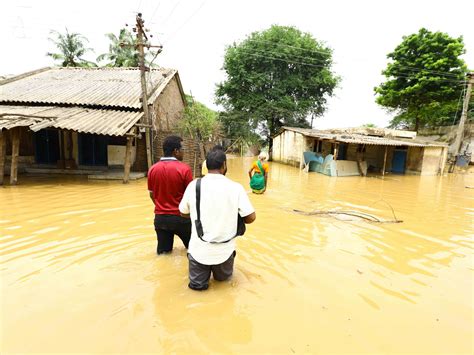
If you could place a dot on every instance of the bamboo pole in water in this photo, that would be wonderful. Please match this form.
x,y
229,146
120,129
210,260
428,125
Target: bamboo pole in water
x,y
3,153
15,134
384,161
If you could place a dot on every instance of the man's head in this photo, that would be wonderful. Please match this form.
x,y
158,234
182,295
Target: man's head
x,y
172,147
217,147
216,162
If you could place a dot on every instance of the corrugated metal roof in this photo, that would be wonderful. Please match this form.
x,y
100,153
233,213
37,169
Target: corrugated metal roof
x,y
109,87
363,139
106,122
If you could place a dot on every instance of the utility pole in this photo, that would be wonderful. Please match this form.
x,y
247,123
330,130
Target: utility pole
x,y
141,35
460,131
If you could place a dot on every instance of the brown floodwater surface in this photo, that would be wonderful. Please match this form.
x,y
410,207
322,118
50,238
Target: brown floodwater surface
x,y
79,272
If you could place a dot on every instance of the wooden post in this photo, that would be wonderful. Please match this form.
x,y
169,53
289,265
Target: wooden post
x,y
128,160
3,153
15,134
384,161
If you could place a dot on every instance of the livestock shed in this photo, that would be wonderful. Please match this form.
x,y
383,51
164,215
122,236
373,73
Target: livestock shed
x,y
89,121
357,151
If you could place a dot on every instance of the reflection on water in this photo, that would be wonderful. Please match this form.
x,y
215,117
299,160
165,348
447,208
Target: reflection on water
x,y
79,273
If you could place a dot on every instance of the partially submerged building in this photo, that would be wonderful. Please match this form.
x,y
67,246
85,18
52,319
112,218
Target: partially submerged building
x,y
89,121
355,151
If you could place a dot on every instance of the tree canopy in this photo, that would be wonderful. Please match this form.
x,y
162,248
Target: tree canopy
x,y
424,80
122,51
276,77
200,121
71,46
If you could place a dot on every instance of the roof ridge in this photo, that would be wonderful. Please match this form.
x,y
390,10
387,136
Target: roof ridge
x,y
24,75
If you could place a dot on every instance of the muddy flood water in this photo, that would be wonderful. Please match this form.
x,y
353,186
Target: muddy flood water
x,y
79,271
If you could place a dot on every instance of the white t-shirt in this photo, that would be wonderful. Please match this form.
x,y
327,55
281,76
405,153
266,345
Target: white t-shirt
x,y
221,200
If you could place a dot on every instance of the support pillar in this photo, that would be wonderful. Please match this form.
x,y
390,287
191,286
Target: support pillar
x,y
128,160
15,134
3,154
384,161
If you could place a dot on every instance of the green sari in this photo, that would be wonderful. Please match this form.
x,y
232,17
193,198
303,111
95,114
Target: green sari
x,y
257,182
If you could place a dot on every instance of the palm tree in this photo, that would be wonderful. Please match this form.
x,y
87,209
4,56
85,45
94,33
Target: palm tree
x,y
123,52
71,48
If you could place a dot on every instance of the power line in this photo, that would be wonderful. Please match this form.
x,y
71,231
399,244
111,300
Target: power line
x,y
171,12
154,12
459,102
185,22
408,68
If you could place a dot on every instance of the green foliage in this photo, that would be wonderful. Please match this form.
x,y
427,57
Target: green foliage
x,y
199,121
369,125
236,125
276,77
71,48
424,80
123,52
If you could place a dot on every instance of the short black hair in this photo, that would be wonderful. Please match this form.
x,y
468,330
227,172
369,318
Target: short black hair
x,y
215,159
217,147
170,144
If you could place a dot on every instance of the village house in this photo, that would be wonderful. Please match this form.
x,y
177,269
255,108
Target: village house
x,y
356,151
89,121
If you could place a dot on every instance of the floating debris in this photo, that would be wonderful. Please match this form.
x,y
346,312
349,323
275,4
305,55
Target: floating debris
x,y
357,214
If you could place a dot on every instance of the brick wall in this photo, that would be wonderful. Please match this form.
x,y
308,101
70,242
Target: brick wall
x,y
193,153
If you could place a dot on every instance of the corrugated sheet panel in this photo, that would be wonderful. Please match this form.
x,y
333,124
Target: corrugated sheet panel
x,y
363,139
110,87
106,122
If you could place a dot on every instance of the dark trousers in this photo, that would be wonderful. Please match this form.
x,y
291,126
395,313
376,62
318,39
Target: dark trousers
x,y
166,226
199,274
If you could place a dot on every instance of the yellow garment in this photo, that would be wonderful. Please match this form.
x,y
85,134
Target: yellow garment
x,y
204,170
257,169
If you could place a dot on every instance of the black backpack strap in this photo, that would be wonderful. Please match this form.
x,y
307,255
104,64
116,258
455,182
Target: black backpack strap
x,y
197,222
198,199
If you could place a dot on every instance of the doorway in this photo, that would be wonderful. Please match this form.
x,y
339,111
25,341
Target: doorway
x,y
46,146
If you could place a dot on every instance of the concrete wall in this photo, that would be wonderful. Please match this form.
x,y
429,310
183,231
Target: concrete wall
x,y
447,134
432,158
116,154
414,160
288,148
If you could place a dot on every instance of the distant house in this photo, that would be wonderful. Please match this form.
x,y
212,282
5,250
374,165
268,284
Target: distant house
x,y
354,151
84,121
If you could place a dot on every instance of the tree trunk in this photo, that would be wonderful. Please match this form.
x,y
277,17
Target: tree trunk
x,y
417,124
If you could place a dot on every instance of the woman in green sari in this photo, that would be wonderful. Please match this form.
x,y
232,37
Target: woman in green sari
x,y
258,175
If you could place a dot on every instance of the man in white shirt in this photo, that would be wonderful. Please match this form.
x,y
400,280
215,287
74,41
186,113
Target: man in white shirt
x,y
221,199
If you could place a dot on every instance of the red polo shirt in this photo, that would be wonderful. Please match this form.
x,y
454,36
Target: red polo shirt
x,y
168,179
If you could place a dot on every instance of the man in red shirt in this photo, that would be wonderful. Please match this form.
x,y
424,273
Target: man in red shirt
x,y
167,181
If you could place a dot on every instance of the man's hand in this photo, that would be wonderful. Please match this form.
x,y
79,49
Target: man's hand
x,y
185,215
250,218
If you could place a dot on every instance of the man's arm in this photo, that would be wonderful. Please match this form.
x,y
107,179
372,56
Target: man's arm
x,y
184,210
152,198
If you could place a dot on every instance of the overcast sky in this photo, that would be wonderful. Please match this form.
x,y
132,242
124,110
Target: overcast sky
x,y
195,33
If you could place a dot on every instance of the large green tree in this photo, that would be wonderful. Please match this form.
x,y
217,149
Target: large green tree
x,y
71,46
424,80
122,51
276,77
